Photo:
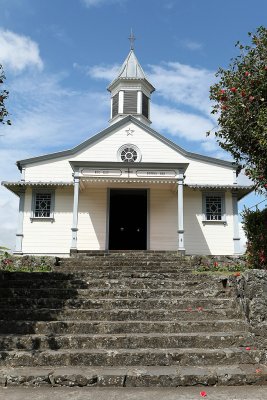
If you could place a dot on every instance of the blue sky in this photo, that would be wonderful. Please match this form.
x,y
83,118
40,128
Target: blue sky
x,y
60,55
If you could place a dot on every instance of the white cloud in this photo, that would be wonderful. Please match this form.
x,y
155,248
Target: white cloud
x,y
187,88
8,201
210,145
46,116
183,84
177,123
95,3
192,45
107,72
18,52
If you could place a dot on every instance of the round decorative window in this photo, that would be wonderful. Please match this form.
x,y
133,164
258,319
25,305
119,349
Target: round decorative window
x,y
129,153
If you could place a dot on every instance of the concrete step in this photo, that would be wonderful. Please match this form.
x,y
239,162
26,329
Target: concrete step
x,y
124,262
98,275
115,327
139,314
136,376
126,341
118,293
107,303
133,357
130,283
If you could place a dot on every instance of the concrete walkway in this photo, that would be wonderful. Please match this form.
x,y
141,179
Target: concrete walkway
x,y
187,393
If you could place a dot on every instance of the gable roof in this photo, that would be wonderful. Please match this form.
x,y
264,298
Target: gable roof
x,y
102,134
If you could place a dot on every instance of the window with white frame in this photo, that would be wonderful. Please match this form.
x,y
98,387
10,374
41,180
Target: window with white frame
x,y
43,204
213,207
129,153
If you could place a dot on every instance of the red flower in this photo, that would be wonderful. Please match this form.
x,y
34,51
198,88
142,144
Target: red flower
x,y
251,98
203,394
247,73
222,91
233,89
243,93
248,348
258,371
215,264
237,274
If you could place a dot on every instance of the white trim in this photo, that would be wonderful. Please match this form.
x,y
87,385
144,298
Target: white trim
x,y
204,204
74,228
121,101
139,102
134,147
19,234
236,237
180,201
35,191
107,219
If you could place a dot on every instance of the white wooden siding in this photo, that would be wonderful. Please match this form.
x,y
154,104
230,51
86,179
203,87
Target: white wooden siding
x,y
92,219
46,237
152,149
211,238
163,220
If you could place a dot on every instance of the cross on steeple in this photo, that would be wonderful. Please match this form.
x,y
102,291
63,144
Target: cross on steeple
x,y
132,39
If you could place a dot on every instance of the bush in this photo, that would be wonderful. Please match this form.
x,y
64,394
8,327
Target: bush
x,y
255,227
11,263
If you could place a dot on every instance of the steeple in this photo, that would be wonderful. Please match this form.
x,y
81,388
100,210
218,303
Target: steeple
x,y
130,90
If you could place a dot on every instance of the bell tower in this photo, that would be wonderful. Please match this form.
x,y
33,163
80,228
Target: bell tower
x,y
130,91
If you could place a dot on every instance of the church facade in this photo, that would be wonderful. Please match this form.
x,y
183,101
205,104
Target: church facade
x,y
128,188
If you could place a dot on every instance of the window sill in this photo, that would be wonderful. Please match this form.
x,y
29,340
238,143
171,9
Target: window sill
x,y
211,222
50,219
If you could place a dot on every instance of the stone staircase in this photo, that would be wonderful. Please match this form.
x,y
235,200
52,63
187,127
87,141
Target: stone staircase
x,y
134,319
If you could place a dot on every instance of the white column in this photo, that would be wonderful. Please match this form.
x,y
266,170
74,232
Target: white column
x,y
74,228
23,174
111,107
236,237
19,234
121,101
180,199
139,102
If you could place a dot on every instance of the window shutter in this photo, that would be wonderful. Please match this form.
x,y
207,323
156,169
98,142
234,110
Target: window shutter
x,y
145,105
115,105
130,102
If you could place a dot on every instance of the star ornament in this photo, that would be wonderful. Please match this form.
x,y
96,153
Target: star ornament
x,y
129,132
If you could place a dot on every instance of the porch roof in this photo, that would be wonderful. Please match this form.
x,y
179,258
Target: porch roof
x,y
16,187
242,190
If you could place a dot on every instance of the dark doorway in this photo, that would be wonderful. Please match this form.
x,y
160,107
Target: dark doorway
x,y
128,219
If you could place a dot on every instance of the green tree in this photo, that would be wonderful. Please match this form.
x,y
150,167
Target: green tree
x,y
3,97
240,101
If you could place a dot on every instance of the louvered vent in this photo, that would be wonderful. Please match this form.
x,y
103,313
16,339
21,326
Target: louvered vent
x,y
115,105
145,105
130,102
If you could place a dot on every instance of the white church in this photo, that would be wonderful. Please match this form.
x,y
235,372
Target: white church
x,y
127,188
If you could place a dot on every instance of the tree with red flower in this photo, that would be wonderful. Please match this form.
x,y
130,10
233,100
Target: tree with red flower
x,y
240,101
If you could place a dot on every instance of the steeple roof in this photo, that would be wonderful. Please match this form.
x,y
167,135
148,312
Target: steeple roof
x,y
131,69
